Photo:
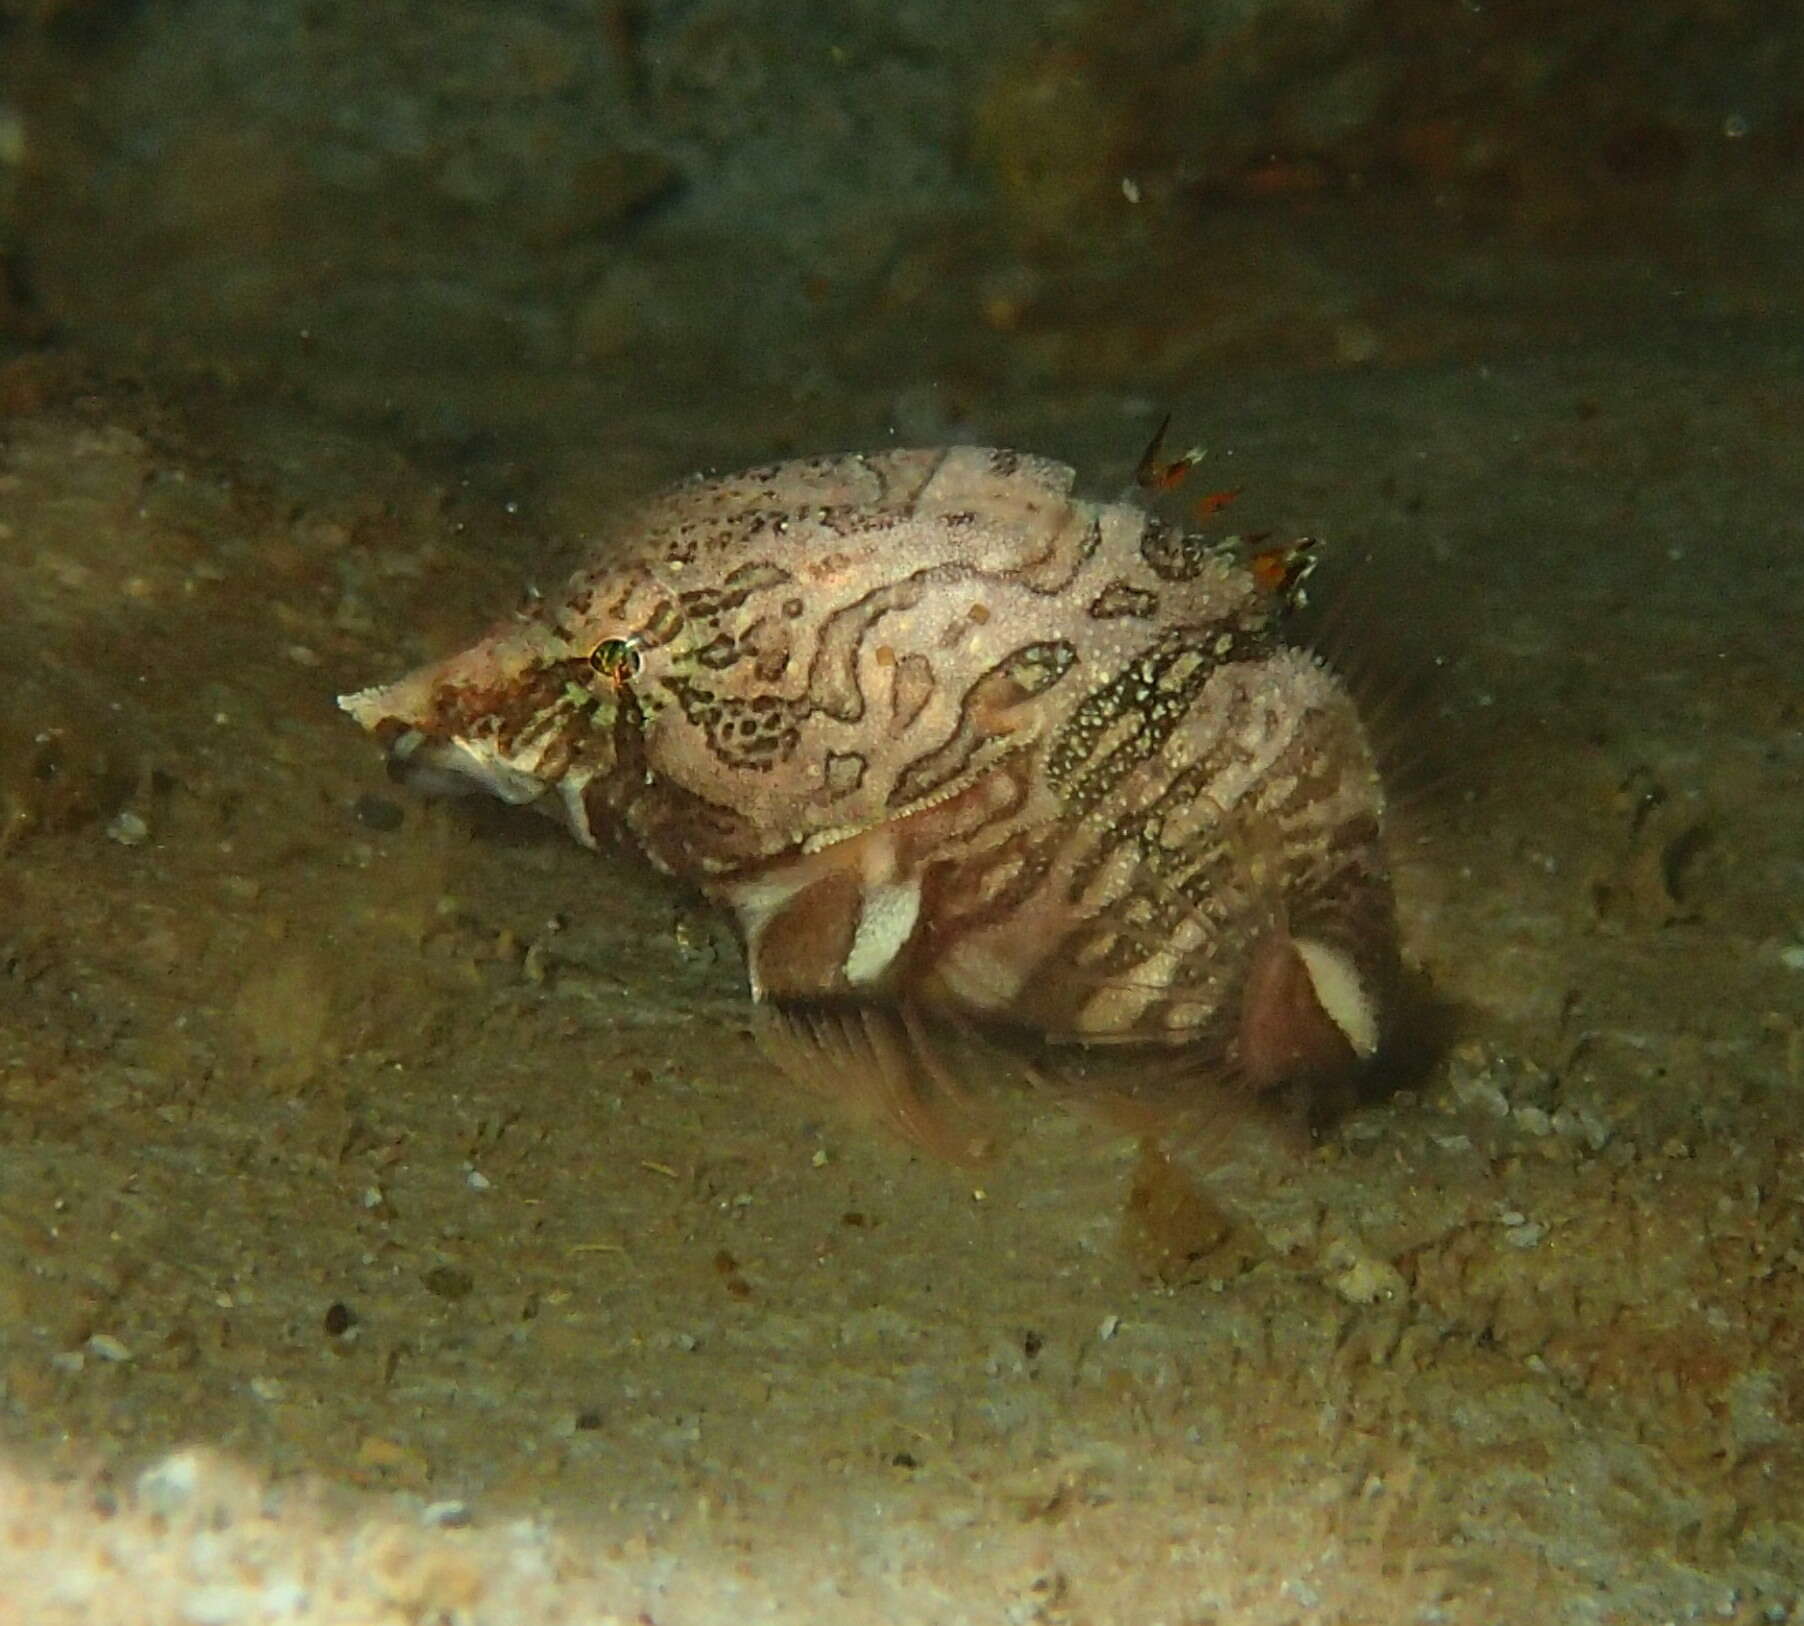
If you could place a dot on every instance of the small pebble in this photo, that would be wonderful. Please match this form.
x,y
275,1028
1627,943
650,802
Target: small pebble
x,y
1362,1279
108,1348
1534,1120
128,829
1582,1125
378,1451
169,1485
1481,1094
449,1282
449,1515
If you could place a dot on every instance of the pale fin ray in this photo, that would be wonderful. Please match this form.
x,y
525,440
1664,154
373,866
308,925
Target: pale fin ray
x,y
884,1063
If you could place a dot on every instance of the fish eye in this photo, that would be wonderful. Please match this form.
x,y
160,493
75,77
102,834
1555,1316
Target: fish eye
x,y
616,659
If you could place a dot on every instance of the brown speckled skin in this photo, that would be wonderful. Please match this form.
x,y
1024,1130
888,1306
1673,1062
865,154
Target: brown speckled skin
x,y
939,733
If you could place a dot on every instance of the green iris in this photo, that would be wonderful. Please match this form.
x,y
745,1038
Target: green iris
x,y
616,659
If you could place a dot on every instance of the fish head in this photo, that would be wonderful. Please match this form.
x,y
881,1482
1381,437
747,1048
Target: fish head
x,y
541,711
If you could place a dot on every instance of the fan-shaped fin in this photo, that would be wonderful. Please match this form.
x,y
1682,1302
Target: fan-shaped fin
x,y
884,1063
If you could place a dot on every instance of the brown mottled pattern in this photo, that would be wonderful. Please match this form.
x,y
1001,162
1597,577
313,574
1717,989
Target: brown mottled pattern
x,y
911,687
1121,723
940,730
1122,598
516,713
1072,546
707,603
833,680
845,772
849,588
987,711
759,733
1259,814
1173,555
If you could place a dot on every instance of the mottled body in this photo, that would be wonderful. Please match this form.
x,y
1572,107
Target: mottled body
x,y
941,735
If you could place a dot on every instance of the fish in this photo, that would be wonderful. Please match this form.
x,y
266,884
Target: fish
x,y
948,742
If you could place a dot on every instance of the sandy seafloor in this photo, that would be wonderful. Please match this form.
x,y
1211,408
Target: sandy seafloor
x,y
398,1223
637,1332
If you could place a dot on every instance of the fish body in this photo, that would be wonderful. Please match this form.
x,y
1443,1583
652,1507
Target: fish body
x,y
940,735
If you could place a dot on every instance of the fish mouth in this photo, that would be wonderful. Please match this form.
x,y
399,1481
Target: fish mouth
x,y
533,771
460,767
436,762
